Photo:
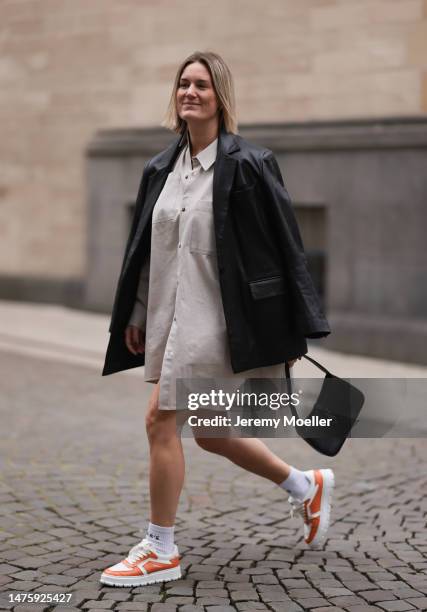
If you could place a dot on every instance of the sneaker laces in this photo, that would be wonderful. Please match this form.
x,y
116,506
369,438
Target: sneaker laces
x,y
298,508
139,551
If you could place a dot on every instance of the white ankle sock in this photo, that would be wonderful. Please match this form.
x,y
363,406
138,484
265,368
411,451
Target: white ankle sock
x,y
297,483
161,538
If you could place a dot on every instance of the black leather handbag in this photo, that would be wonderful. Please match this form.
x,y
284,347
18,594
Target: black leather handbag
x,y
339,401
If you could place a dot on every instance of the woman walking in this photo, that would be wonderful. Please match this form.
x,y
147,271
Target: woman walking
x,y
214,283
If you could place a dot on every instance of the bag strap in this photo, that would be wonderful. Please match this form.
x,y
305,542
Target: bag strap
x,y
316,363
289,380
289,386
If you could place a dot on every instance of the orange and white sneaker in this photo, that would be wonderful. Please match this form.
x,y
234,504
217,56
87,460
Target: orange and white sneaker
x,y
315,508
143,566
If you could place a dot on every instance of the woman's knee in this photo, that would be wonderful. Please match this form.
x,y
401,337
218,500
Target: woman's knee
x,y
160,424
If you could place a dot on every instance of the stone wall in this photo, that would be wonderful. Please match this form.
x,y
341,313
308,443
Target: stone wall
x,y
72,67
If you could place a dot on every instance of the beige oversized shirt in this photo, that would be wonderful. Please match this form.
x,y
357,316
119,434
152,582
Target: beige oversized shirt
x,y
179,298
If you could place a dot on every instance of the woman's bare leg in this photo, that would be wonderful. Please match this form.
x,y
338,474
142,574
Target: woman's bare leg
x,y
167,465
249,453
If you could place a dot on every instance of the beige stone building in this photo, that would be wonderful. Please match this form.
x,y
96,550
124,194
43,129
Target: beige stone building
x,y
69,68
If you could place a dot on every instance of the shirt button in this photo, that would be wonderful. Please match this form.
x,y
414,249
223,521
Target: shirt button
x,y
186,176
179,246
174,318
183,208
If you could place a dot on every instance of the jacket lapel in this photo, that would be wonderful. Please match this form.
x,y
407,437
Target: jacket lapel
x,y
161,165
225,167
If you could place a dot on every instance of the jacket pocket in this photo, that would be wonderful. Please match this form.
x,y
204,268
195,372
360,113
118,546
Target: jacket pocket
x,y
267,287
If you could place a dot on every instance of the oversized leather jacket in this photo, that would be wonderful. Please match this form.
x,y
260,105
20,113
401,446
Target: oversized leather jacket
x,y
269,300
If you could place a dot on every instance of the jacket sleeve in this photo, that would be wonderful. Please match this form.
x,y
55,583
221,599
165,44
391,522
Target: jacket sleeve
x,y
139,203
138,317
309,314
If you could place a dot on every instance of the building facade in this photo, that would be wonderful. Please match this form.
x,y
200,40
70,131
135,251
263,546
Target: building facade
x,y
313,72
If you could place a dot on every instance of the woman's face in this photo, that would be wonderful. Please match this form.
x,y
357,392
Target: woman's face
x,y
195,97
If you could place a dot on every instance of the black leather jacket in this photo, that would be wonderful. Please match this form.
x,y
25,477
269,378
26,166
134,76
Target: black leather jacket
x,y
269,300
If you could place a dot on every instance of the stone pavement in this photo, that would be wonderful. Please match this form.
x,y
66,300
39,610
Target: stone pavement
x,y
73,498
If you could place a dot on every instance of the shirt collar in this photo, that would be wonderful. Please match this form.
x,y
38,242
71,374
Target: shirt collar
x,y
206,157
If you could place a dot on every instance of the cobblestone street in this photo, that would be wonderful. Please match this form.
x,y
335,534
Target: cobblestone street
x,y
74,496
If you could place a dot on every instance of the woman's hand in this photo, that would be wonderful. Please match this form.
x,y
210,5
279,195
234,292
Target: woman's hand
x,y
134,339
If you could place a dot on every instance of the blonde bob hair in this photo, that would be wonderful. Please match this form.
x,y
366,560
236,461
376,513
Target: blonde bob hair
x,y
222,82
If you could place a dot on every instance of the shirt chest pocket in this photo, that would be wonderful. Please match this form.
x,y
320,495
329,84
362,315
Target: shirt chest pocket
x,y
165,227
165,233
202,234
